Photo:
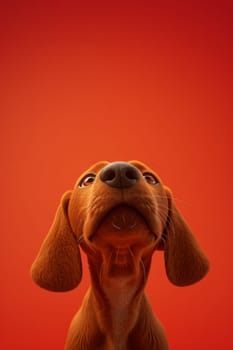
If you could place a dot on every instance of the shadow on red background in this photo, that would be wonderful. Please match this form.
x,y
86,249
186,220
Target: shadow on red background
x,y
90,81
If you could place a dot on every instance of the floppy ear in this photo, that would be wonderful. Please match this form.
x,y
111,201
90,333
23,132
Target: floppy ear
x,y
58,265
184,260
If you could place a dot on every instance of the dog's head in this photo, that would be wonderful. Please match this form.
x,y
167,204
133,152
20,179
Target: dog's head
x,y
123,206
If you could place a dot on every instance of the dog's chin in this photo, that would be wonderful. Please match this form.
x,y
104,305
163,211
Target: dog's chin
x,y
122,227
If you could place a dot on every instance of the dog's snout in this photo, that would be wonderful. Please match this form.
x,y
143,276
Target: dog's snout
x,y
120,175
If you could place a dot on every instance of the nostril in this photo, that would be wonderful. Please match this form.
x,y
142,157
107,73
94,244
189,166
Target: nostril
x,y
108,175
131,174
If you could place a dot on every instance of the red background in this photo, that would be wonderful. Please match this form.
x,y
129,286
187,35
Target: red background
x,y
88,81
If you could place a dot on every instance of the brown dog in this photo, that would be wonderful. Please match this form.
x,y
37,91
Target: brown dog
x,y
119,213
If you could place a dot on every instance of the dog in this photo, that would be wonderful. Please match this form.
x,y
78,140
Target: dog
x,y
119,213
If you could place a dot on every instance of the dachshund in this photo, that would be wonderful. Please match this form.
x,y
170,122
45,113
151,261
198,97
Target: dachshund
x,y
119,213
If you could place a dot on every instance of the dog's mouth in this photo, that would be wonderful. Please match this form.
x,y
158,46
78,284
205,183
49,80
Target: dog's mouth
x,y
123,218
123,225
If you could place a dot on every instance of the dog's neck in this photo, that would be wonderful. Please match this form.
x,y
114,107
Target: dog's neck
x,y
120,293
117,288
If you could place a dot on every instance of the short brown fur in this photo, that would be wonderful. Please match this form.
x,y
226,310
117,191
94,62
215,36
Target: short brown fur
x,y
119,229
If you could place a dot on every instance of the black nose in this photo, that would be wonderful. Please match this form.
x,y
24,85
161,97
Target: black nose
x,y
120,175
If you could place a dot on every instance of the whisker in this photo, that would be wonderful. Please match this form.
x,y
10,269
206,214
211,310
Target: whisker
x,y
143,270
163,216
131,253
175,198
170,226
164,206
133,256
115,226
133,226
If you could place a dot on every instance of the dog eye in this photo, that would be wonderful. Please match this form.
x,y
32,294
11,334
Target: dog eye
x,y
87,180
151,179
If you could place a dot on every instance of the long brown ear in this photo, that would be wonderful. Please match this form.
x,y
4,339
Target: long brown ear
x,y
58,266
184,260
